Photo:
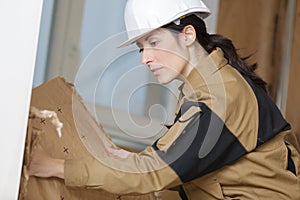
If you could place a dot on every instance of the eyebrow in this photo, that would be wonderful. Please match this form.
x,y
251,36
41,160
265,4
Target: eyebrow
x,y
146,39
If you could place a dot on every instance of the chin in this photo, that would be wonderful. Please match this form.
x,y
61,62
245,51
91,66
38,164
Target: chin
x,y
163,81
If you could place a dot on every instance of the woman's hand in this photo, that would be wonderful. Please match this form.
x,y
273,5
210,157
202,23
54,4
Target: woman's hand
x,y
44,166
121,153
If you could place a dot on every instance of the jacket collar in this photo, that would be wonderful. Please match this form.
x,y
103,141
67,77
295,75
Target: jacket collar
x,y
200,75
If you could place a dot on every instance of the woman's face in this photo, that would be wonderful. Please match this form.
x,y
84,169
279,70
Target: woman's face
x,y
165,55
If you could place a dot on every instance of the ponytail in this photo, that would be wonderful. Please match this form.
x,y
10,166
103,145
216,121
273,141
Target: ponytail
x,y
211,41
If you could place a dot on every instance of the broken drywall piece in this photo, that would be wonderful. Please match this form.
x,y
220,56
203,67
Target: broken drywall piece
x,y
58,95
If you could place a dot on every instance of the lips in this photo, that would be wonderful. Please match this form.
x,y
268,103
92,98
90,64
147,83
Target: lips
x,y
155,70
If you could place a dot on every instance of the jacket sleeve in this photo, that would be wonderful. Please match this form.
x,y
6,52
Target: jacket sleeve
x,y
143,172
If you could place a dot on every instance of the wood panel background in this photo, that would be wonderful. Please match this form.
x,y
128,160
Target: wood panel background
x,y
255,28
293,98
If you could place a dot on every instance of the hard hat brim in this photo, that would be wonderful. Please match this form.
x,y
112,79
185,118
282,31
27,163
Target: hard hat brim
x,y
134,39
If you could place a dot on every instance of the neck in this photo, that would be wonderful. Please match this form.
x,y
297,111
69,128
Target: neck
x,y
196,52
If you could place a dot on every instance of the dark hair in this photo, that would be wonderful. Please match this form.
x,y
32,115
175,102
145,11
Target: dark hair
x,y
210,41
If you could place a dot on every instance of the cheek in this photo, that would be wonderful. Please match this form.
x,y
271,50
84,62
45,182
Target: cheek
x,y
167,75
172,60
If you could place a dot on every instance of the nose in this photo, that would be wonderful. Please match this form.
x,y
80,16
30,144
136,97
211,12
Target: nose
x,y
147,56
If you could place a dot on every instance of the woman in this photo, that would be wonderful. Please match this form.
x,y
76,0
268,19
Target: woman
x,y
228,140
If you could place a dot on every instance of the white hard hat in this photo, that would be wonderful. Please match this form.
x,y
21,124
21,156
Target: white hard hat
x,y
143,16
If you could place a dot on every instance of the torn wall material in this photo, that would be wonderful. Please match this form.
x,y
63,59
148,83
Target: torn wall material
x,y
59,96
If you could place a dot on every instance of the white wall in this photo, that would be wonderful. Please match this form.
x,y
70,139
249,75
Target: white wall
x,y
19,22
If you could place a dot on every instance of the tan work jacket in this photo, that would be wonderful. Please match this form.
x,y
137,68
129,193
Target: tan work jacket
x,y
228,141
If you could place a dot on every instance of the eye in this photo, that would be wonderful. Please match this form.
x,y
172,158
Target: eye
x,y
141,50
154,43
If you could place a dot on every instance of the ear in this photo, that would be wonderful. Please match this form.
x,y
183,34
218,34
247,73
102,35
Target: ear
x,y
189,34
